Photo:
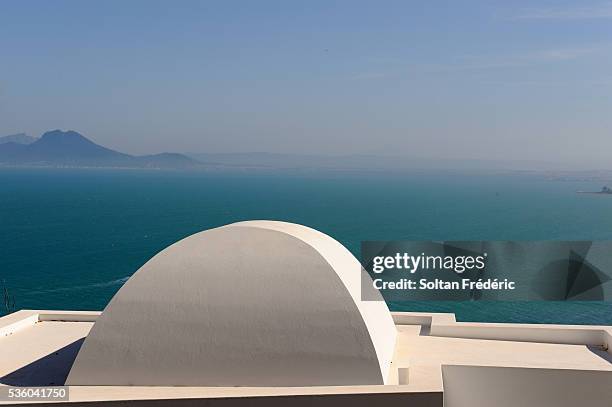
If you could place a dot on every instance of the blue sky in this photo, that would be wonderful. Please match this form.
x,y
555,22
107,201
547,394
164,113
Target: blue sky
x,y
470,79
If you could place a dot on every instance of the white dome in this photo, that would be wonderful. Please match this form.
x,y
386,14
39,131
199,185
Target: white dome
x,y
257,303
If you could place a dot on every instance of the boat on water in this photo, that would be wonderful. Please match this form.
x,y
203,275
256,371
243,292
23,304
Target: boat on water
x,y
604,191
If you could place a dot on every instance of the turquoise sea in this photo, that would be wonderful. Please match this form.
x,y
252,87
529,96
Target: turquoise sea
x,y
70,238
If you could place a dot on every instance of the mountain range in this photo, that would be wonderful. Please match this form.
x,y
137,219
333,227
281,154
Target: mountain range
x,y
20,138
58,148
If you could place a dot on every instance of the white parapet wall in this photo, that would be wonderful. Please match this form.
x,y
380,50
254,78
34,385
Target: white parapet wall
x,y
445,325
475,386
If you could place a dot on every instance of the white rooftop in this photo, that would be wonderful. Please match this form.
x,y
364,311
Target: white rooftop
x,y
37,348
265,311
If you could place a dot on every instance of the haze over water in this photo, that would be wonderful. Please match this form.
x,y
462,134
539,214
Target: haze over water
x,y
71,238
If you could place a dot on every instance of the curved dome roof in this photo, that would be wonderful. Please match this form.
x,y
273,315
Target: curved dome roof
x,y
257,303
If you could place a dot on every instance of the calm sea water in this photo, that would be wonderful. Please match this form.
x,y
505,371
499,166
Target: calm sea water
x,y
70,238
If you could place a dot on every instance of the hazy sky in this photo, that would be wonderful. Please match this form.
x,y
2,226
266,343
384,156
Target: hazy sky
x,y
462,79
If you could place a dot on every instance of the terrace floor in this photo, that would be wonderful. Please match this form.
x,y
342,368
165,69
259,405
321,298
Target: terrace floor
x,y
37,348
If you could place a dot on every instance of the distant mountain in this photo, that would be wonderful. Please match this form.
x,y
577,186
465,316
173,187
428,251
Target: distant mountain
x,y
20,138
265,160
70,149
166,160
362,162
